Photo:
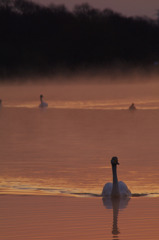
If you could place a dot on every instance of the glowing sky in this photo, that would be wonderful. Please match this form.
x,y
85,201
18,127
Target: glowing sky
x,y
126,7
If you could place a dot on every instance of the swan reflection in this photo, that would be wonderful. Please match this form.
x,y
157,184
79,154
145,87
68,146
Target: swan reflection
x,y
116,204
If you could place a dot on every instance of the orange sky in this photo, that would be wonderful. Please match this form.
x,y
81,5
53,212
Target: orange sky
x,y
126,7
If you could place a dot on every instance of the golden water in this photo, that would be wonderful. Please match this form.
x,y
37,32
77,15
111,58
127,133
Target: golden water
x,y
67,147
66,150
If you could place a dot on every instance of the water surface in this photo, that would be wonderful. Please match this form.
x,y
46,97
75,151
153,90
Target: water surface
x,y
53,217
67,147
55,161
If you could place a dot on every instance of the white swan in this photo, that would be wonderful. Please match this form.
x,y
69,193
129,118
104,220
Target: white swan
x,y
42,104
115,189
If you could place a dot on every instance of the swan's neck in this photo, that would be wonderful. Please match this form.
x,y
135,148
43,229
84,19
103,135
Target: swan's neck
x,y
41,100
115,189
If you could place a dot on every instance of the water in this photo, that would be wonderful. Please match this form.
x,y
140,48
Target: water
x,y
54,217
54,162
66,148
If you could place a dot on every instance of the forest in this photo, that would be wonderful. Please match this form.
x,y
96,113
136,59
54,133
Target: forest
x,y
43,40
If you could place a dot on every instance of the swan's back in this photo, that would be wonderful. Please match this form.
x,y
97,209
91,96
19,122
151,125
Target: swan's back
x,y
123,189
107,189
43,104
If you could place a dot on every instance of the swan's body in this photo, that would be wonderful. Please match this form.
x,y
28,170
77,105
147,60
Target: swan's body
x,y
115,189
123,190
42,104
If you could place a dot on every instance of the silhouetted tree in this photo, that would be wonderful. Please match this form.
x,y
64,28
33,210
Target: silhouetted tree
x,y
41,39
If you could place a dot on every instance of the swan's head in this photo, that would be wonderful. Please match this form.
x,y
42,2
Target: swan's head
x,y
41,96
114,161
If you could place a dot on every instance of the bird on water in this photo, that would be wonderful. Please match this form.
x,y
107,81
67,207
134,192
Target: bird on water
x,y
132,107
115,189
42,104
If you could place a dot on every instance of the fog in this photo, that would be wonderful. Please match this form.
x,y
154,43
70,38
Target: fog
x,y
84,91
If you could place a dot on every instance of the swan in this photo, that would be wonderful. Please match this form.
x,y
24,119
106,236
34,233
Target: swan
x,y
132,107
42,104
115,189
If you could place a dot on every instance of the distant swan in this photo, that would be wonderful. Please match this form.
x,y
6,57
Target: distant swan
x,y
132,107
115,189
42,104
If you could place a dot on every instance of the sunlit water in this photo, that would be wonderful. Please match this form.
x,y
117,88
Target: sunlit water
x,y
66,149
54,162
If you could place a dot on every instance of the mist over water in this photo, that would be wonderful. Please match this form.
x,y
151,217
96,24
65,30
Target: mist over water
x,y
66,148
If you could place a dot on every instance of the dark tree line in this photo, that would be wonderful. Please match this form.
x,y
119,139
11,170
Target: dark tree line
x,y
35,39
